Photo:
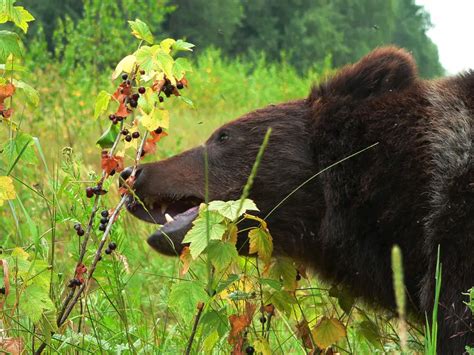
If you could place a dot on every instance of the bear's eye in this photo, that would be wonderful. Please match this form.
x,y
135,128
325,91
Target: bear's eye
x,y
223,136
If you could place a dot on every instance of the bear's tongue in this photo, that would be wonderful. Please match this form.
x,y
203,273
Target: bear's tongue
x,y
175,229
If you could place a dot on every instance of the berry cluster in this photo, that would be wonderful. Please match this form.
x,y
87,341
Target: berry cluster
x,y
112,246
104,220
128,136
74,282
79,230
96,190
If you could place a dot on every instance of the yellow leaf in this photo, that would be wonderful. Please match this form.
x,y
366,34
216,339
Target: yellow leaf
x,y
166,44
157,118
7,190
261,346
328,331
261,242
125,65
20,253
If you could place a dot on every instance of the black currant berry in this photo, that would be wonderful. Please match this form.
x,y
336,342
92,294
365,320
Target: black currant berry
x,y
119,118
142,72
128,83
104,220
111,117
298,276
128,138
158,130
141,90
124,132
133,103
249,350
77,226
180,86
3,290
108,251
135,97
112,173
112,246
142,154
104,213
89,192
161,99
135,135
115,121
263,319
103,227
124,76
80,232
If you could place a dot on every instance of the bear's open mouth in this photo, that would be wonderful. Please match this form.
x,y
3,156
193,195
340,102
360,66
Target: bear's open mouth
x,y
174,214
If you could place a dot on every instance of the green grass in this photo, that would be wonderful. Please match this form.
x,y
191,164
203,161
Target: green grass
x,y
128,308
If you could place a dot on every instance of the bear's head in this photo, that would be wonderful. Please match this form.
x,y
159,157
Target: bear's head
x,y
176,186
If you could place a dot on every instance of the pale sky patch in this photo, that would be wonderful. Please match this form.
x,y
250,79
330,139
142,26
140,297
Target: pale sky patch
x,y
452,32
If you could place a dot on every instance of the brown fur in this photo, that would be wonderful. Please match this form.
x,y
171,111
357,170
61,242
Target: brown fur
x,y
414,189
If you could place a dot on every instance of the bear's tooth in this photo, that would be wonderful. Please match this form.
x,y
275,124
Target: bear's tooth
x,y
168,218
164,207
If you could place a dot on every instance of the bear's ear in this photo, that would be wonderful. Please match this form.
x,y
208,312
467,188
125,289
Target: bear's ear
x,y
383,70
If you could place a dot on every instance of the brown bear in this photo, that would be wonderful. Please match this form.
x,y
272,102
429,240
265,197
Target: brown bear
x,y
415,188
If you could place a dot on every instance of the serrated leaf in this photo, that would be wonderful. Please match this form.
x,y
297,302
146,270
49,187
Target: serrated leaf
x,y
181,66
181,45
30,93
101,103
222,285
126,65
185,296
34,301
20,16
282,300
275,284
9,44
214,320
197,236
157,118
141,30
22,144
328,331
107,138
221,254
155,59
230,209
7,189
261,242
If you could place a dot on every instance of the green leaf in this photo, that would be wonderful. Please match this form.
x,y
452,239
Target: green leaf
x,y
101,103
141,30
180,46
48,325
157,118
185,296
282,301
155,59
214,320
125,65
275,284
20,16
197,236
21,144
221,254
9,44
187,101
32,96
108,137
283,269
370,332
180,67
261,242
229,209
34,301
226,283
328,331
210,341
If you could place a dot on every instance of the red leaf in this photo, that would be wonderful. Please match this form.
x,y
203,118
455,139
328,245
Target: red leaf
x,y
121,94
80,271
6,91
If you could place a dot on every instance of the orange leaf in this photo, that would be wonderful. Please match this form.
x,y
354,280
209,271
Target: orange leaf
x,y
80,271
156,137
238,323
6,91
149,147
158,85
111,163
127,185
6,281
186,259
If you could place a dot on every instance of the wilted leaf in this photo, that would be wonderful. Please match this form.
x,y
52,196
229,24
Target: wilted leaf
x,y
108,137
6,281
141,30
197,236
7,189
238,323
9,44
230,209
101,103
124,66
261,242
304,333
12,346
221,254
328,331
111,163
6,90
186,259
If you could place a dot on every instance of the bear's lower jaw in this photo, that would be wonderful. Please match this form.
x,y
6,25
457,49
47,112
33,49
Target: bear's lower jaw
x,y
168,239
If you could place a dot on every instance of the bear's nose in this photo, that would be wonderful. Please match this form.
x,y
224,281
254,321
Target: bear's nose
x,y
126,174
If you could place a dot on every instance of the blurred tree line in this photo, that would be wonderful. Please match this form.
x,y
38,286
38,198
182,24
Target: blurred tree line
x,y
303,33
